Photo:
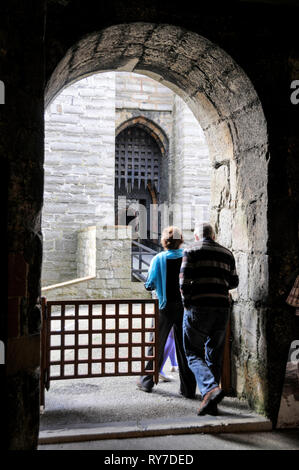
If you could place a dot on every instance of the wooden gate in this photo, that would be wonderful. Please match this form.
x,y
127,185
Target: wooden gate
x,y
97,338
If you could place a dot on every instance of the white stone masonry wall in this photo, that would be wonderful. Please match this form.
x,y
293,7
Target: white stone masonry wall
x,y
191,169
141,92
113,270
79,170
86,252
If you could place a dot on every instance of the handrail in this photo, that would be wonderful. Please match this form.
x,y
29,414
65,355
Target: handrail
x,y
138,254
149,250
68,283
144,262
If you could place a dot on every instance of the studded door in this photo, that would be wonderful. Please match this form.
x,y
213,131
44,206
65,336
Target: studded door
x,y
137,171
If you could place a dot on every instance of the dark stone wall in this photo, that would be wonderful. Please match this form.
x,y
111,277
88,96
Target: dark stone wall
x,y
283,214
21,144
261,38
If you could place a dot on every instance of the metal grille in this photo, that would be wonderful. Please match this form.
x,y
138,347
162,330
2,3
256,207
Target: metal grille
x,y
97,338
137,159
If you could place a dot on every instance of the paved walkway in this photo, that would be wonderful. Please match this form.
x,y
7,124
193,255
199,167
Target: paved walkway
x,y
112,407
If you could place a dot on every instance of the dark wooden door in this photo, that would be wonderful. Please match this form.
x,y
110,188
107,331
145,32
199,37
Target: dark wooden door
x,y
137,167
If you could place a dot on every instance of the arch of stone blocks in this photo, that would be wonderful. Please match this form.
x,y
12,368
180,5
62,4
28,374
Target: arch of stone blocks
x,y
229,111
151,127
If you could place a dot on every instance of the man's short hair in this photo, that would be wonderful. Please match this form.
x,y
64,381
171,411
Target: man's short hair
x,y
204,231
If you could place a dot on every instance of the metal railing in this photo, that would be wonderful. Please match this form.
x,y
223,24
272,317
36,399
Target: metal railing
x,y
141,257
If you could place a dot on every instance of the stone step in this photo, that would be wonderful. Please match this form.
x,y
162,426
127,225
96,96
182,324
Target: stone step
x,y
146,428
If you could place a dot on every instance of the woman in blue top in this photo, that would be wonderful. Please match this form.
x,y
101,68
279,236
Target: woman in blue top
x,y
163,277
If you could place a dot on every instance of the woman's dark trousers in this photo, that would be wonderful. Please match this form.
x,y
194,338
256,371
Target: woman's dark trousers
x,y
172,316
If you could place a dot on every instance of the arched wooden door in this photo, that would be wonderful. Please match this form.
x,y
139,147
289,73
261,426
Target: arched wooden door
x,y
137,179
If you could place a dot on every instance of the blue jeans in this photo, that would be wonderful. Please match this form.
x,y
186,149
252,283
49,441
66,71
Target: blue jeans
x,y
204,331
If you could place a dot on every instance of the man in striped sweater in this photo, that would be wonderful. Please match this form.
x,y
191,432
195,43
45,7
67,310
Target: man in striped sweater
x,y
207,274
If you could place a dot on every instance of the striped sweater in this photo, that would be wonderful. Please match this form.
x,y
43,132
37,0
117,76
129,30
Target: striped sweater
x,y
207,273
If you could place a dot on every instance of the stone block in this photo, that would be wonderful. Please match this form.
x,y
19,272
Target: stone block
x,y
113,283
233,187
253,170
105,233
52,159
249,331
240,241
220,186
219,140
122,272
259,278
64,118
242,270
71,109
250,129
104,273
224,236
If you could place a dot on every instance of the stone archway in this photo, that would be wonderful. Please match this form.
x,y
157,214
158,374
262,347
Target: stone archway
x,y
151,127
229,111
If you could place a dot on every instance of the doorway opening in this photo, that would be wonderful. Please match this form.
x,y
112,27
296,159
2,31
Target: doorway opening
x,y
137,179
225,104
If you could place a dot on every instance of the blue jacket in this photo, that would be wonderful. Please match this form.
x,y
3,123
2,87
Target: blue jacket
x,y
156,278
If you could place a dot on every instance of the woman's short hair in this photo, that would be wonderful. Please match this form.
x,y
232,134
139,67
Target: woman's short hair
x,y
172,238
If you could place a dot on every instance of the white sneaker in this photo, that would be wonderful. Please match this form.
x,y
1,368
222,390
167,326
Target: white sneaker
x,y
165,378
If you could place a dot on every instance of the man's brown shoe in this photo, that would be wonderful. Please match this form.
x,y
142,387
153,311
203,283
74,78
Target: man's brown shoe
x,y
211,398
